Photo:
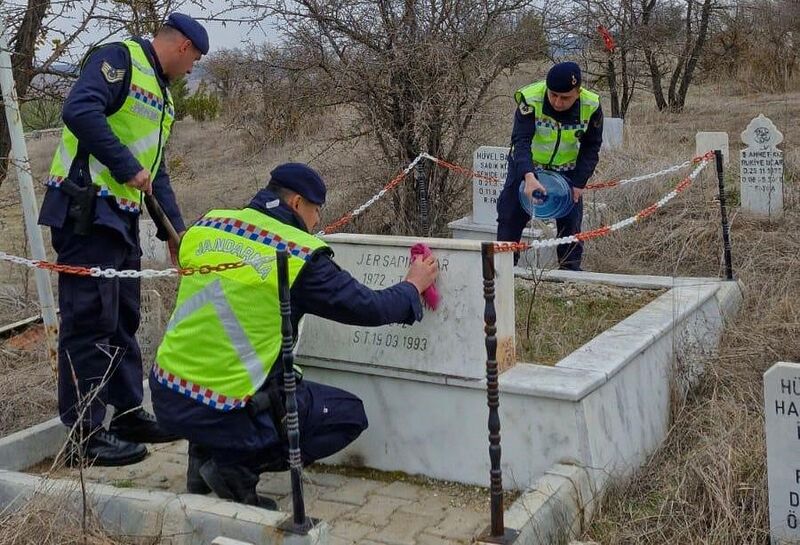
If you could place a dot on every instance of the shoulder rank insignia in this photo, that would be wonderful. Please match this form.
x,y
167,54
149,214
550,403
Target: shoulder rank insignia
x,y
112,75
524,109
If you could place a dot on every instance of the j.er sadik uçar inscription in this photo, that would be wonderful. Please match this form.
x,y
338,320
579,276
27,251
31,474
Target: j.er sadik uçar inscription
x,y
391,269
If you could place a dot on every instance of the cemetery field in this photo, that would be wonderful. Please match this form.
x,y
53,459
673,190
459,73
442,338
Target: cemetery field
x,y
707,483
555,318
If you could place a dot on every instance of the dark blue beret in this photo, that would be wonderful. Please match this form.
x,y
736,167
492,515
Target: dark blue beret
x,y
564,77
190,28
302,179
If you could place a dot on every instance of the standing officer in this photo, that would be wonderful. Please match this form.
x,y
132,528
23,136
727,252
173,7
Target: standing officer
x,y
558,125
215,381
118,117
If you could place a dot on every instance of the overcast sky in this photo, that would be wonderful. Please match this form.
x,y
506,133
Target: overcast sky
x,y
222,35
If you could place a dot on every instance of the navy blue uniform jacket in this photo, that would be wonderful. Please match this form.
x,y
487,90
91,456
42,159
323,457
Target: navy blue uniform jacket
x,y
322,289
588,155
90,101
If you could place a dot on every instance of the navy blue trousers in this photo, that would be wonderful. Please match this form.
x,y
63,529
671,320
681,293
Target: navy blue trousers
x,y
330,419
512,220
99,319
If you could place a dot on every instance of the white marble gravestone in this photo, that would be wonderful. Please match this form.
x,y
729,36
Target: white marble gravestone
x,y
762,169
488,161
492,161
612,132
782,414
153,249
448,341
151,325
710,141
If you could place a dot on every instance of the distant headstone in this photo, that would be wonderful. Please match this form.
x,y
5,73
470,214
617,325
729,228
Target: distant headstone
x,y
151,324
782,412
762,169
710,141
153,249
448,341
488,161
612,132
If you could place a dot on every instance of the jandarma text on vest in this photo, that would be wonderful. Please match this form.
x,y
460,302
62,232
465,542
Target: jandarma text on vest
x,y
262,263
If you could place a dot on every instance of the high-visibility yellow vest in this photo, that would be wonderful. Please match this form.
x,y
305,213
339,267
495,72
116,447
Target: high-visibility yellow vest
x,y
555,146
225,333
143,124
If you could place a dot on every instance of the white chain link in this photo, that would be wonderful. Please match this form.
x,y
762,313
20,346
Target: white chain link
x,y
18,260
622,223
377,196
144,273
668,170
96,271
153,273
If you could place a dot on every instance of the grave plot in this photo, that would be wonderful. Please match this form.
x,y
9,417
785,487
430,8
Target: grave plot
x,y
598,412
555,318
603,404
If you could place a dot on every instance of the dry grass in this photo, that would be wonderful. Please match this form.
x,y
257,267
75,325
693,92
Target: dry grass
x,y
554,319
707,484
46,520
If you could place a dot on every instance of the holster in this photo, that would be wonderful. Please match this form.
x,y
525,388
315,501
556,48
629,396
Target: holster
x,y
270,399
81,205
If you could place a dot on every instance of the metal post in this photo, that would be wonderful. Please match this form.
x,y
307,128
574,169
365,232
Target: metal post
x,y
496,533
726,236
300,523
421,178
30,207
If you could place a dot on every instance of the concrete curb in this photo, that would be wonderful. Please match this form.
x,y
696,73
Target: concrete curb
x,y
176,519
555,509
32,445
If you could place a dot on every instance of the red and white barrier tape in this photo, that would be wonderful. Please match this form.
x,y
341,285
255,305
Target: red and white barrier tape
x,y
701,162
607,229
111,273
596,185
397,180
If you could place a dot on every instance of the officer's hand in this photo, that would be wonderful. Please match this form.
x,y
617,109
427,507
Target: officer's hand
x,y
142,182
576,194
531,185
422,272
173,248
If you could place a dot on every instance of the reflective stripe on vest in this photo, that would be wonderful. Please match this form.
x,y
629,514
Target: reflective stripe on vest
x,y
225,333
143,124
555,146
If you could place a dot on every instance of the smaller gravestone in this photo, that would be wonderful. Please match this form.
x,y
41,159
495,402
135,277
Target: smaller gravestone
x,y
153,250
488,161
151,324
710,141
762,169
782,414
612,132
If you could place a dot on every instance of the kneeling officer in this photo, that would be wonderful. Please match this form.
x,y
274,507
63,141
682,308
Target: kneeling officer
x,y
215,381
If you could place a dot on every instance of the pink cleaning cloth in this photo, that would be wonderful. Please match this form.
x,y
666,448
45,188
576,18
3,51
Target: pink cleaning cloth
x,y
430,296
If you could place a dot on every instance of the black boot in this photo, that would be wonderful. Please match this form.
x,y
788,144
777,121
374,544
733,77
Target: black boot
x,y
102,448
139,426
236,483
194,481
